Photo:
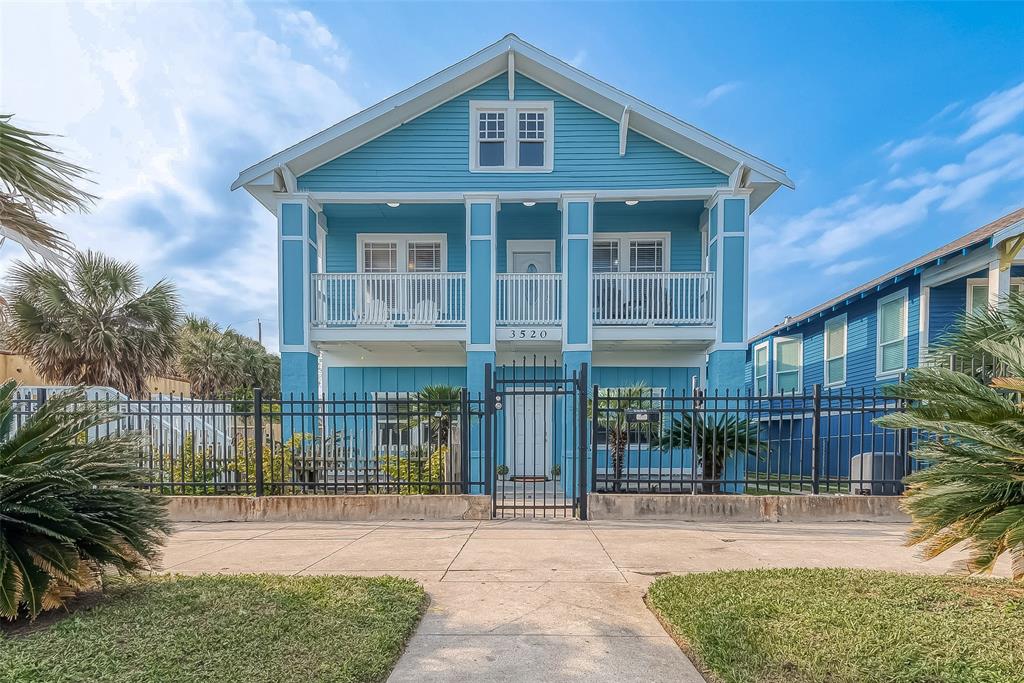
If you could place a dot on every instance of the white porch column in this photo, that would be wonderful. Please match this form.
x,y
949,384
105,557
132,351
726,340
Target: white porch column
x,y
998,285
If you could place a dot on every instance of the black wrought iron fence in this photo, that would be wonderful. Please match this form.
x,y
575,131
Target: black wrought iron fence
x,y
646,440
637,439
374,443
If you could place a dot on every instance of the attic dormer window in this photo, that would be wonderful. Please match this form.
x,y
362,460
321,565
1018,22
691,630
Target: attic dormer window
x,y
511,137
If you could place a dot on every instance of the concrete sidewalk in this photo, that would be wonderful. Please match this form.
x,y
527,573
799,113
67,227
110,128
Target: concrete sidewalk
x,y
537,600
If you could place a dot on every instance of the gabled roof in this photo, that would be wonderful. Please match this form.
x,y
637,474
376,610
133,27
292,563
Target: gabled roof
x,y
993,233
489,62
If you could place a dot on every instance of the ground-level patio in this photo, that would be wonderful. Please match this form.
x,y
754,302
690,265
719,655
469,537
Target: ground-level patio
x,y
538,600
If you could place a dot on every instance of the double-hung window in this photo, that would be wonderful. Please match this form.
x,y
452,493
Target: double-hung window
x,y
516,136
761,369
630,253
835,351
788,364
891,353
977,293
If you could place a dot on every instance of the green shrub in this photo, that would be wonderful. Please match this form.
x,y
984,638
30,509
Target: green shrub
x,y
416,474
68,511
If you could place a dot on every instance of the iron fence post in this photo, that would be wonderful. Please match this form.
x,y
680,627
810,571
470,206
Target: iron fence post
x,y
489,417
581,456
816,439
593,435
465,447
257,425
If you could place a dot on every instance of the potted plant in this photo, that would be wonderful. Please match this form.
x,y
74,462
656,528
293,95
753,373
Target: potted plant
x,y
556,471
502,471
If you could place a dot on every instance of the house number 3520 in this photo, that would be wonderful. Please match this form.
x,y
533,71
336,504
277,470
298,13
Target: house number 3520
x,y
526,333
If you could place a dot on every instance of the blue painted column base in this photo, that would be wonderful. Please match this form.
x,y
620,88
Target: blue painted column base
x,y
299,380
727,371
476,380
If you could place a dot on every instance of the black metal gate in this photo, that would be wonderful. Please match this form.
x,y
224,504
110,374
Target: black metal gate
x,y
536,439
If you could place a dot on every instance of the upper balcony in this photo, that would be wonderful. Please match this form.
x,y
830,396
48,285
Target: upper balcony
x,y
642,273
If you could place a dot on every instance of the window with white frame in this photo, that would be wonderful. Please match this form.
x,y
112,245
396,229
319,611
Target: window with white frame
x,y
391,253
835,351
511,136
761,369
891,352
395,431
788,364
644,252
977,293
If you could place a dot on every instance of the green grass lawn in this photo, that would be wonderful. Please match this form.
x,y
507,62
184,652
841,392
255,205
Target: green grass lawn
x,y
222,628
839,626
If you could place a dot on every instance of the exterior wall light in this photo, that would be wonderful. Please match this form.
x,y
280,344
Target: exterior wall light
x,y
529,203
632,202
394,205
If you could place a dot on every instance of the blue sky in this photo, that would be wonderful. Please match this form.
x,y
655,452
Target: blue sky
x,y
902,124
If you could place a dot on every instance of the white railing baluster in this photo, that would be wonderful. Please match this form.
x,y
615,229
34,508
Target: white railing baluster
x,y
529,299
654,298
389,299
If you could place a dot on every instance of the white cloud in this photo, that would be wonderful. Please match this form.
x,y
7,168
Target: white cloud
x,y
716,93
166,103
305,25
847,267
994,112
579,58
908,148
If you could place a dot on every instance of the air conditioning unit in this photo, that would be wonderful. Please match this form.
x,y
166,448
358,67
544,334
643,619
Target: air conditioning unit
x,y
877,474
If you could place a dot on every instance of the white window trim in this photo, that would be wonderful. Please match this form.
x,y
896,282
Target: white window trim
x,y
832,322
511,109
904,295
799,339
513,246
624,238
973,282
767,368
402,241
415,433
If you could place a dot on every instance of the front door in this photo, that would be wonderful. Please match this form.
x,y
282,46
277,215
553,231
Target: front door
x,y
528,426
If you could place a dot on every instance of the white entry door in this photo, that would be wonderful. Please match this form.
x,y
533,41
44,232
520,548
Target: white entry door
x,y
528,430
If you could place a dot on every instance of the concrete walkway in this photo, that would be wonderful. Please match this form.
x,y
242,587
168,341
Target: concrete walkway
x,y
537,600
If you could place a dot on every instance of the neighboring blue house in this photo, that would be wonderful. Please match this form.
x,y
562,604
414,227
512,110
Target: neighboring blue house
x,y
508,206
874,333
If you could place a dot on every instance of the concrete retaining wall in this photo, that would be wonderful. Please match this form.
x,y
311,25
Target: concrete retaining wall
x,y
740,508
363,508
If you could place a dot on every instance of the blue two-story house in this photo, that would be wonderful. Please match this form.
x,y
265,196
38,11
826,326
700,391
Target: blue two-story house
x,y
510,205
871,335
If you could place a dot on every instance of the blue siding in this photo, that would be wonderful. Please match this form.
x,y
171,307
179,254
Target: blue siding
x,y
577,317
431,153
518,222
681,219
350,381
291,292
948,303
861,338
345,221
733,272
679,380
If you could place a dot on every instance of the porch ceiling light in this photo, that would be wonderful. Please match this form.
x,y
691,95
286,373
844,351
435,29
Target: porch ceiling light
x,y
529,203
632,202
394,205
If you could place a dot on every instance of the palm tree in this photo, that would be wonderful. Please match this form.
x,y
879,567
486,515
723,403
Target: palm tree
x,y
971,435
68,507
212,366
437,406
613,406
92,324
34,179
220,362
713,440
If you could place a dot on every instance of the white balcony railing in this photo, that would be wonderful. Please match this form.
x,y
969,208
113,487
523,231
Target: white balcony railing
x,y
654,298
529,299
389,299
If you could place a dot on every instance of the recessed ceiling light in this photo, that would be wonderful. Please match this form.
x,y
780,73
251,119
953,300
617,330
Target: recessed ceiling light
x,y
394,205
632,202
529,203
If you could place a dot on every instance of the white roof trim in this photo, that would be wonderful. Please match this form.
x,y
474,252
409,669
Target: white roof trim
x,y
486,64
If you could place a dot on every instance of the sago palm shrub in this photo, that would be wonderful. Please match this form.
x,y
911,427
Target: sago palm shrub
x,y
713,440
93,323
68,511
971,426
613,406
